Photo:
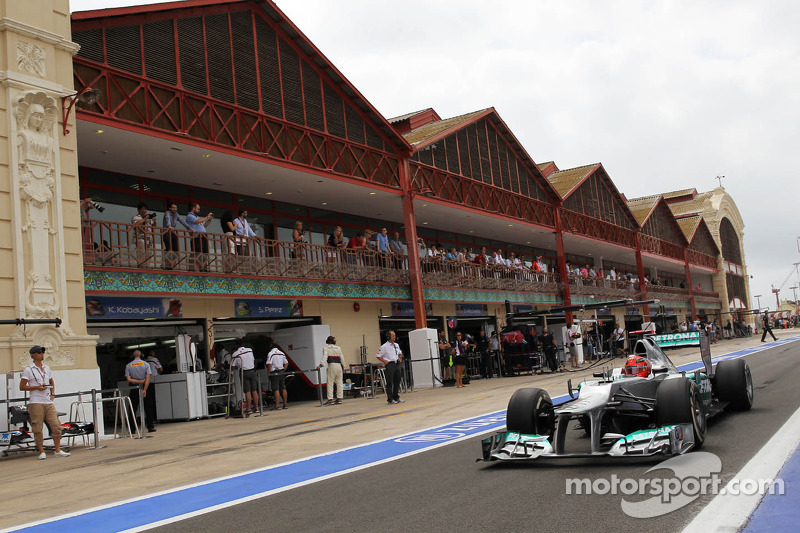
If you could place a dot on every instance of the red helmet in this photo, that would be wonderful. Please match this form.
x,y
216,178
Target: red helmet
x,y
637,366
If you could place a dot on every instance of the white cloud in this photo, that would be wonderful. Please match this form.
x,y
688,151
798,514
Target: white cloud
x,y
665,94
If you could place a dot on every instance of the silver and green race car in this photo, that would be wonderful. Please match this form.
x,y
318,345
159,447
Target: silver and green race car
x,y
662,413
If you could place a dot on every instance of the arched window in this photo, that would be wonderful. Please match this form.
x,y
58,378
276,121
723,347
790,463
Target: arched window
x,y
731,250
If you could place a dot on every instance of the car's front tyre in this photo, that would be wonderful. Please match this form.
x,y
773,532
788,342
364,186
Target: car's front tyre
x,y
734,384
530,411
678,402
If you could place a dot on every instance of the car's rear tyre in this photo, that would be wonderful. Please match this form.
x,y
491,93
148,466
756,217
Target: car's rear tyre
x,y
678,402
734,384
530,411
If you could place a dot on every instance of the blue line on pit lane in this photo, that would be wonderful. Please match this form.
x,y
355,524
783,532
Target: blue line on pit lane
x,y
148,510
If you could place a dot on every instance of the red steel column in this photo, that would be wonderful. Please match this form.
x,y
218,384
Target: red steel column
x,y
689,282
642,285
562,263
410,221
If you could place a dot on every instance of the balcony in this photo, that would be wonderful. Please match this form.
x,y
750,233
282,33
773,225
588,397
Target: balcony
x,y
125,247
579,285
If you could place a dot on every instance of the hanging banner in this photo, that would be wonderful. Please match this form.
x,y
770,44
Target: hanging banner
x,y
472,310
268,308
689,338
126,307
407,309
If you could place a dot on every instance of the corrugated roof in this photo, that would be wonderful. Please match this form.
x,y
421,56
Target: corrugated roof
x,y
689,225
690,207
408,115
565,181
675,194
435,128
544,165
643,207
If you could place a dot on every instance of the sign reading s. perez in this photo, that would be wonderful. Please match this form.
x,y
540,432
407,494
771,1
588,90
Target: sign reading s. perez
x,y
688,338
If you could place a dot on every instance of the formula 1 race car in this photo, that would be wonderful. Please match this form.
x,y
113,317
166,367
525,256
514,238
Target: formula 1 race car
x,y
647,408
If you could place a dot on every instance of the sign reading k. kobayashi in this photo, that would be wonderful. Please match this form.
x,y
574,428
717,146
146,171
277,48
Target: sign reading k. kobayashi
x,y
127,307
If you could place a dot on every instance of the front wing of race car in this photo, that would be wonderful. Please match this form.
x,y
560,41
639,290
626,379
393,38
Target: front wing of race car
x,y
668,440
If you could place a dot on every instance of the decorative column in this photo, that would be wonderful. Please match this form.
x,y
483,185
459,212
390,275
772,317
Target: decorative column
x,y
414,269
562,263
692,303
40,226
640,270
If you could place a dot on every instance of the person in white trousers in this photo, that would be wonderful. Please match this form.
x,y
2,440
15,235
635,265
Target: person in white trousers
x,y
333,357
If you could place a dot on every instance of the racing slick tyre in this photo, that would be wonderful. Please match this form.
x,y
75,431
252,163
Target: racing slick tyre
x,y
734,384
530,411
678,402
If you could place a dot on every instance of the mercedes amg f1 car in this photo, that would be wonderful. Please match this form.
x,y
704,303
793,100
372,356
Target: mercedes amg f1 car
x,y
648,408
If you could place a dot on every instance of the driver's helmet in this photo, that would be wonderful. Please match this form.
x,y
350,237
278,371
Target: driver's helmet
x,y
636,365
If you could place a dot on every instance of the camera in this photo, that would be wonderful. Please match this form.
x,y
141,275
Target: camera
x,y
99,207
151,215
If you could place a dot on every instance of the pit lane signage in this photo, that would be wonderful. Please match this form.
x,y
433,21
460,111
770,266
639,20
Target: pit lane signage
x,y
124,307
688,338
268,308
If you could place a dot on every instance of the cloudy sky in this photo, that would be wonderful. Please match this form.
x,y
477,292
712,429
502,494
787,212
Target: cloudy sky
x,y
666,94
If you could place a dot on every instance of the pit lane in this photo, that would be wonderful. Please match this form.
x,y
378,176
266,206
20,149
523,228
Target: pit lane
x,y
445,489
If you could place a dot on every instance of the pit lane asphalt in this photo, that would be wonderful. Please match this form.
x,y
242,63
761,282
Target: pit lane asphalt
x,y
446,490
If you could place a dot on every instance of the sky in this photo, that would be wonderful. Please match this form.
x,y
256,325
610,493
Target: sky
x,y
666,95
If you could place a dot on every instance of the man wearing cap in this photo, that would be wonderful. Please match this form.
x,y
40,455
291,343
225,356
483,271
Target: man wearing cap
x,y
391,356
38,380
138,373
243,358
332,356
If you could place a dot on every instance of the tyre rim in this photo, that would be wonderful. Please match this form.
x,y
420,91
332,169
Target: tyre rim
x,y
544,417
697,413
748,380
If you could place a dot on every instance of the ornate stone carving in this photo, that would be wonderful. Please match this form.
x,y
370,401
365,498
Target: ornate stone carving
x,y
55,356
35,116
31,58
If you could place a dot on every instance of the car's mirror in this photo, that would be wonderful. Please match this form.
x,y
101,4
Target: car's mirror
x,y
661,370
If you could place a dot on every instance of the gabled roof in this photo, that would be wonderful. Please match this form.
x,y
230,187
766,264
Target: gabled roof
x,y
100,17
693,206
689,225
565,182
412,114
682,192
547,168
442,128
643,207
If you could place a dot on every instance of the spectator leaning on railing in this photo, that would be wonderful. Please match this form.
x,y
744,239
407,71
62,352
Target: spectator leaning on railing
x,y
170,238
242,230
396,247
143,227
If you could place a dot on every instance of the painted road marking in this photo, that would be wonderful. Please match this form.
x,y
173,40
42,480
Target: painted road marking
x,y
177,504
778,513
730,510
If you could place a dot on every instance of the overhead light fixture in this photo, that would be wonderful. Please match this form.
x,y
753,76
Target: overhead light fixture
x,y
99,131
87,96
324,203
472,231
424,223
218,184
206,156
268,193
424,205
511,225
372,194
176,149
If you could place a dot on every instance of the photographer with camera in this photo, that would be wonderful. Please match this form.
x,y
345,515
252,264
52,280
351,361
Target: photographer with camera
x,y
143,225
200,240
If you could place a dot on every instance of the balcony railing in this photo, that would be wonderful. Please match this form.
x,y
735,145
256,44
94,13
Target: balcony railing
x,y
442,273
117,245
624,289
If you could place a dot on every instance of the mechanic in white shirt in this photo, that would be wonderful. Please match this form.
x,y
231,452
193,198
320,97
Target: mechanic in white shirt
x,y
245,359
391,356
37,379
277,364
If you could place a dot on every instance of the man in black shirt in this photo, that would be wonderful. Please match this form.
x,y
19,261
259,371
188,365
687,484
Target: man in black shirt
x,y
767,328
549,347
